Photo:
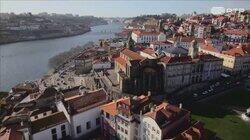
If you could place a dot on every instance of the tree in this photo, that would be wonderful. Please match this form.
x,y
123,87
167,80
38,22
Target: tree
x,y
131,43
101,44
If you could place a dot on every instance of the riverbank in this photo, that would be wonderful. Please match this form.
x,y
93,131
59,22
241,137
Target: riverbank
x,y
55,36
28,60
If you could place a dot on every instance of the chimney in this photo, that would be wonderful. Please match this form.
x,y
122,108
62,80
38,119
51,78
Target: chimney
x,y
180,105
152,109
149,93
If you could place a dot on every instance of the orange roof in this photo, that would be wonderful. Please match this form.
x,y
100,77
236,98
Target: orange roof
x,y
141,33
132,55
111,107
238,51
209,47
176,59
121,61
149,51
235,32
166,112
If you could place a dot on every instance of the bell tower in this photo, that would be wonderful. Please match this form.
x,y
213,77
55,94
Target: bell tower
x,y
193,49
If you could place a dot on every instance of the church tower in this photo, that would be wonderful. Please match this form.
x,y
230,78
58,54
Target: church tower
x,y
193,49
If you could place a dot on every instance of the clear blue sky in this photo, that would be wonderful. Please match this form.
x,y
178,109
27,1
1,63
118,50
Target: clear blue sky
x,y
118,8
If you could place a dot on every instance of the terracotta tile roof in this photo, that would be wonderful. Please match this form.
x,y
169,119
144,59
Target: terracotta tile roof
x,y
149,51
132,55
176,59
48,122
241,50
111,107
87,101
236,32
143,33
136,104
68,93
165,114
209,47
195,132
121,61
206,57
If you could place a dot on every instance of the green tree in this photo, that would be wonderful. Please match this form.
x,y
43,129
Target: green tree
x,y
131,43
101,44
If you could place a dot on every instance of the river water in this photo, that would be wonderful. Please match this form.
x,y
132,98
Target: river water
x,y
29,60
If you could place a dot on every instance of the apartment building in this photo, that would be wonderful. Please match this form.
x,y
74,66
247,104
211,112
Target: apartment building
x,y
140,36
235,60
143,118
236,35
81,108
180,71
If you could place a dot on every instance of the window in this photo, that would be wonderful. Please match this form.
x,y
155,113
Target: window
x,y
44,114
97,121
62,127
126,131
107,115
63,131
78,129
118,127
36,117
88,125
53,133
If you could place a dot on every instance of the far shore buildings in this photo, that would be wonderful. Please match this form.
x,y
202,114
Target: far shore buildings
x,y
142,118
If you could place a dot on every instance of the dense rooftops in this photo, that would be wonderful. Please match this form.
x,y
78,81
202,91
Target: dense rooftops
x,y
240,50
144,33
209,47
236,32
132,55
165,113
188,59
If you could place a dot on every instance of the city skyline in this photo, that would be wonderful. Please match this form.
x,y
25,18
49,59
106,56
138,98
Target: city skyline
x,y
117,8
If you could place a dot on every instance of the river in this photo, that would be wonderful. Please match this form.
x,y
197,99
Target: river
x,y
29,60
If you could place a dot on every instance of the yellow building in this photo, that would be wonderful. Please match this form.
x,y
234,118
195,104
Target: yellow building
x,y
235,60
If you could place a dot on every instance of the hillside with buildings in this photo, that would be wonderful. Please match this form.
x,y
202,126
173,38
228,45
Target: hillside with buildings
x,y
161,78
26,26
